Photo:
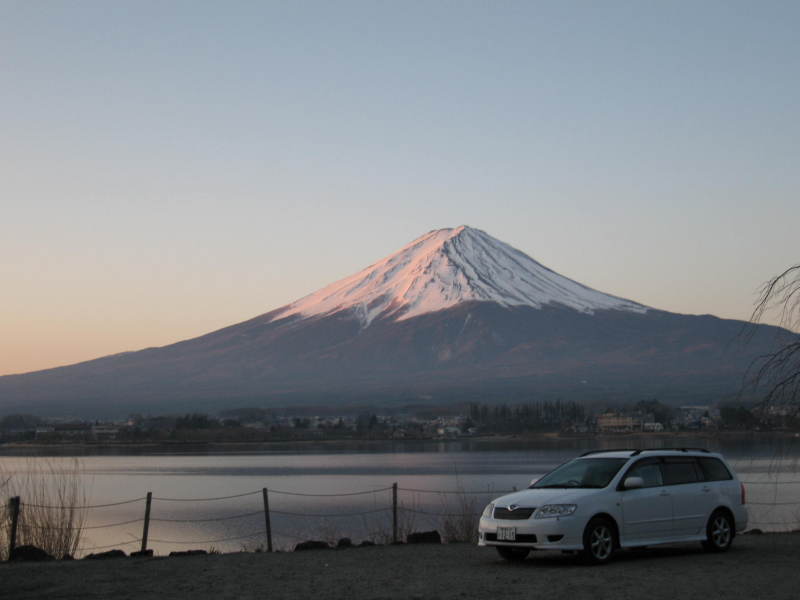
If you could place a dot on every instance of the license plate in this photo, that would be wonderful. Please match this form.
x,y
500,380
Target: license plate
x,y
507,534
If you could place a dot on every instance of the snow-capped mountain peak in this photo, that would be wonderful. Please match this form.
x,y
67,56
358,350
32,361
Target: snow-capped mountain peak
x,y
446,267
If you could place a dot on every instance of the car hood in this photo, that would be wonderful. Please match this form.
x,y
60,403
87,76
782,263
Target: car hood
x,y
531,498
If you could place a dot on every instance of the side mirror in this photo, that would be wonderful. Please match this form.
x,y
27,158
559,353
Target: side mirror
x,y
632,483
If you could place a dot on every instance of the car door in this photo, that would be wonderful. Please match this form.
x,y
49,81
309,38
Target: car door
x,y
690,495
646,511
717,485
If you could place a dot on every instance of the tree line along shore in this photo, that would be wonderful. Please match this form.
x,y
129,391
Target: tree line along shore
x,y
533,420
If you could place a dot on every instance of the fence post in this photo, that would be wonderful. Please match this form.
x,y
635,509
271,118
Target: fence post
x,y
266,519
394,512
146,520
13,505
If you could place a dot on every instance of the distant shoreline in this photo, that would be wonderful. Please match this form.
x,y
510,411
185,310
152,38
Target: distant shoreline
x,y
580,440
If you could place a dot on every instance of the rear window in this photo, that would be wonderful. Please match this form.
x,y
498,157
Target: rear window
x,y
680,470
714,469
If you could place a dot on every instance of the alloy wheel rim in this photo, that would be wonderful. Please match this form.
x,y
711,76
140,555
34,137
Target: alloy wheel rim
x,y
721,532
601,542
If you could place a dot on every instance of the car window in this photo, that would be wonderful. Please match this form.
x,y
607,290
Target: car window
x,y
680,470
714,470
582,473
648,470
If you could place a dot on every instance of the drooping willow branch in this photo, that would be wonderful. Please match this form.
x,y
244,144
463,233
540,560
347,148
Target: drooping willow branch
x,y
782,292
779,372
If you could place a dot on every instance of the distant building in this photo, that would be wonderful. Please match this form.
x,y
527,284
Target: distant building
x,y
105,432
73,430
652,426
613,422
44,431
699,417
448,431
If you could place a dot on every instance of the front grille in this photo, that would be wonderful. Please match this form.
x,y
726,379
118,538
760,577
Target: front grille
x,y
521,538
518,514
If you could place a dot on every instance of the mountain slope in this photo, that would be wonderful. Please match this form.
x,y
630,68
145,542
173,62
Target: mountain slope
x,y
455,315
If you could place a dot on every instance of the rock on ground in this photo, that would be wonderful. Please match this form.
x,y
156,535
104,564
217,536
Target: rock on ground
x,y
29,553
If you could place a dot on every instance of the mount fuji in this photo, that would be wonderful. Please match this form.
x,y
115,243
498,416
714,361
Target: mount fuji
x,y
455,315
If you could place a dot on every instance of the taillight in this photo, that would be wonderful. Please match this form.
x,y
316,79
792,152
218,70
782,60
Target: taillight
x,y
744,495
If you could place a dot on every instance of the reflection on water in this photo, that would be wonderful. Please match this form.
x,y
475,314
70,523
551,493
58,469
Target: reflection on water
x,y
429,467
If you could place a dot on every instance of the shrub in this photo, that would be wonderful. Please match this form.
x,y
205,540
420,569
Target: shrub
x,y
52,512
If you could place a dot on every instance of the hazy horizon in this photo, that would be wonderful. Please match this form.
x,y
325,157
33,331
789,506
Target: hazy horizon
x,y
169,170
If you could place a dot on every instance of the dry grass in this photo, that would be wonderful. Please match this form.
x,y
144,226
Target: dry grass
x,y
328,530
52,499
380,530
460,522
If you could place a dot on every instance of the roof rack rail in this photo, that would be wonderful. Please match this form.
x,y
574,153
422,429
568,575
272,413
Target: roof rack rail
x,y
685,449
634,450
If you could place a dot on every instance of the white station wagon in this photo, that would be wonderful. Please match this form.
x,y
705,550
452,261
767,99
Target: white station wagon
x,y
610,499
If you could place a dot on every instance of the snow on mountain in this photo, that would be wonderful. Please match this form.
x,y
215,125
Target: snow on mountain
x,y
446,267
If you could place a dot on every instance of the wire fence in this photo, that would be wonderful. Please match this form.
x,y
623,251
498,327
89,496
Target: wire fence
x,y
84,507
115,545
384,505
400,504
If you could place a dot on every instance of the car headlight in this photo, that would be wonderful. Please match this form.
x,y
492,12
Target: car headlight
x,y
555,510
487,512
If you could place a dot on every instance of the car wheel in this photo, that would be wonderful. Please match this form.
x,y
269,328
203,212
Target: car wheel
x,y
599,541
719,532
512,554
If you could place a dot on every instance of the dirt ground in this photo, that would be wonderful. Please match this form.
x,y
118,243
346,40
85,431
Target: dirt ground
x,y
758,566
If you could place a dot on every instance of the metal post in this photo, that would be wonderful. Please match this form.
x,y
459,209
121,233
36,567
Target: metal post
x,y
394,512
146,520
266,519
13,505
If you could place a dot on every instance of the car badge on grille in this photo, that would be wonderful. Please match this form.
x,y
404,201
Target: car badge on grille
x,y
513,507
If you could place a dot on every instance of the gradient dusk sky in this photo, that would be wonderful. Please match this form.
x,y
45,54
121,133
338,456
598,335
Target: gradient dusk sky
x,y
169,168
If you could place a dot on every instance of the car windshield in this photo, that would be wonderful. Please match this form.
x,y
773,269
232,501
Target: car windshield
x,y
582,473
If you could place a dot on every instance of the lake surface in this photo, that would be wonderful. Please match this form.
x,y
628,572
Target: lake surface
x,y
304,483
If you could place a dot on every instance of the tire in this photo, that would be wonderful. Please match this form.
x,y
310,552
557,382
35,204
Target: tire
x,y
599,541
512,554
720,532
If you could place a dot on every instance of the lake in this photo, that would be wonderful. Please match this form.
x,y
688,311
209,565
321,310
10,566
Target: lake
x,y
204,499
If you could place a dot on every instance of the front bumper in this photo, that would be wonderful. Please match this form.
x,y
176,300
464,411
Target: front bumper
x,y
558,533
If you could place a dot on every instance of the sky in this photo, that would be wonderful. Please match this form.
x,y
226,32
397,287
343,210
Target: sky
x,y
170,168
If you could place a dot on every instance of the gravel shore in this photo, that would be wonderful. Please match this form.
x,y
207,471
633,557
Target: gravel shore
x,y
758,566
